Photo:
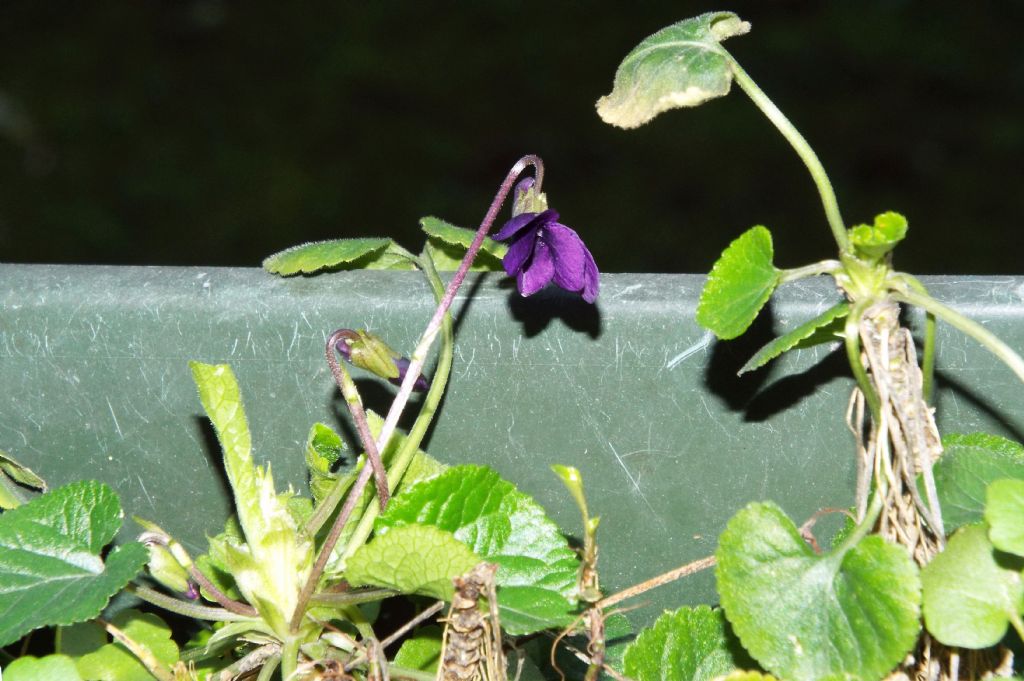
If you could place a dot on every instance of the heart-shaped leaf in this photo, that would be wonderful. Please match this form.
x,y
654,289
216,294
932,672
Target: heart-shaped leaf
x,y
1004,511
349,253
680,65
739,285
451,243
413,559
821,329
50,564
689,644
49,668
971,593
852,611
498,523
966,468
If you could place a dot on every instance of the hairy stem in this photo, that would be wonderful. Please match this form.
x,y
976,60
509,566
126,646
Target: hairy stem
x,y
289,658
419,355
967,325
346,598
355,407
670,576
243,609
431,402
802,148
186,608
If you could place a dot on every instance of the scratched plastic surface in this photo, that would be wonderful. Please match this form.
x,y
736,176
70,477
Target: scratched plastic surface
x,y
93,364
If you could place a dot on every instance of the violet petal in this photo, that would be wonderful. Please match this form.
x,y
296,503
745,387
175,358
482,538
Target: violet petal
x,y
519,252
569,256
538,271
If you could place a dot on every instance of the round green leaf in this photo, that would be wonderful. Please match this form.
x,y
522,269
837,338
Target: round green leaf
x,y
965,469
970,593
319,255
1004,512
414,559
739,285
680,65
498,522
853,611
49,668
690,644
51,567
422,651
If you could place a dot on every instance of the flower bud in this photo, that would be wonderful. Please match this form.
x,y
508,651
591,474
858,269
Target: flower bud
x,y
169,562
369,352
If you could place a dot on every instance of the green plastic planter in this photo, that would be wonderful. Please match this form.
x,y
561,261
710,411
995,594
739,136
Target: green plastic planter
x,y
671,443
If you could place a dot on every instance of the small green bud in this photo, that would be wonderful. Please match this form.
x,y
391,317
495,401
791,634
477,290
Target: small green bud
x,y
873,242
169,562
369,352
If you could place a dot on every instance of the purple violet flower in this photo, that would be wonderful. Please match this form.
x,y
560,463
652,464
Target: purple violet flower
x,y
542,250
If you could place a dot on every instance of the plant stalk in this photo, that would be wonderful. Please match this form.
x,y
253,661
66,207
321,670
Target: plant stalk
x,y
802,148
431,402
967,325
355,407
176,605
419,355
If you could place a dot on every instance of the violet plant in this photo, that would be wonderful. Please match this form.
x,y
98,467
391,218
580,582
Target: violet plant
x,y
854,611
292,587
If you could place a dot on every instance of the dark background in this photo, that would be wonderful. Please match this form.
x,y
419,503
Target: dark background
x,y
214,133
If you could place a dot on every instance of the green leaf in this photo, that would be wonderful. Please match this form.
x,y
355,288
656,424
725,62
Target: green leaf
x,y
853,611
745,675
498,522
49,668
1004,512
12,472
966,468
319,255
324,449
689,644
681,65
739,285
50,558
526,609
821,329
871,242
113,662
272,565
414,559
970,592
422,651
451,243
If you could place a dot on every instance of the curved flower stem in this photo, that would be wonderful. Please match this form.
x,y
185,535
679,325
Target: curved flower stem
x,y
851,334
419,355
399,465
355,407
430,404
928,360
243,609
186,608
967,325
802,148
